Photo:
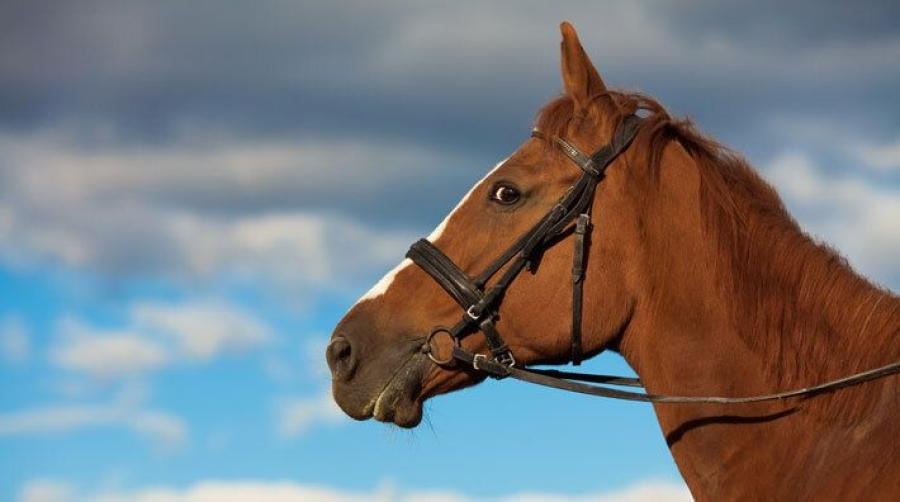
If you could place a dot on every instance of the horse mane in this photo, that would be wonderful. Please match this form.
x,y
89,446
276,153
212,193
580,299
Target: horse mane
x,y
794,300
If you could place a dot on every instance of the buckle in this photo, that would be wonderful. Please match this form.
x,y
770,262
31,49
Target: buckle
x,y
472,313
506,359
496,368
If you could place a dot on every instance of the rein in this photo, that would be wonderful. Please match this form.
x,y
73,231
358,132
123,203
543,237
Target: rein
x,y
572,382
481,303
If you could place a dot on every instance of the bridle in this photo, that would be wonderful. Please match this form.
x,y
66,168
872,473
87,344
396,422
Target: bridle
x,y
481,303
570,215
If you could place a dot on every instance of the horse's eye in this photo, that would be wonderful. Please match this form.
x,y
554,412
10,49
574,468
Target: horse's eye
x,y
505,194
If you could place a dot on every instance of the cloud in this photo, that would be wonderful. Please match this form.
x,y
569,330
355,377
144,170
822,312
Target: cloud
x,y
293,249
208,171
258,211
160,428
297,415
439,73
856,216
861,149
157,335
105,353
46,490
202,330
15,340
629,37
656,491
285,491
269,144
883,157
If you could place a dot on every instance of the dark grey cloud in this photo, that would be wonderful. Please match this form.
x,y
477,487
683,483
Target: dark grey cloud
x,y
185,104
778,24
468,75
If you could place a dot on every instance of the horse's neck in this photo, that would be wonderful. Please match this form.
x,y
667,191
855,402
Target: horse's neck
x,y
691,336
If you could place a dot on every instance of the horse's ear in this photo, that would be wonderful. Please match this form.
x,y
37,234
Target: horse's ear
x,y
580,79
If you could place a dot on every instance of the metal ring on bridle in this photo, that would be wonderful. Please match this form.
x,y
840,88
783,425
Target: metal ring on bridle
x,y
430,352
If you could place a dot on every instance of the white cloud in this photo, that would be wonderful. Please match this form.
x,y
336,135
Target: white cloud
x,y
647,491
297,415
105,353
15,343
157,335
883,157
46,490
199,207
159,427
126,411
285,491
202,330
297,248
858,217
820,134
198,166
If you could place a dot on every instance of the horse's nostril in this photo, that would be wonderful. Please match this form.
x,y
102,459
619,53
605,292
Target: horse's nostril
x,y
340,358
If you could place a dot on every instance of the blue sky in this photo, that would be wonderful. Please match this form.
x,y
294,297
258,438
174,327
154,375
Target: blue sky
x,y
192,194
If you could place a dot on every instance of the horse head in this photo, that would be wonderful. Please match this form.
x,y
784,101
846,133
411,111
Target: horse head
x,y
376,353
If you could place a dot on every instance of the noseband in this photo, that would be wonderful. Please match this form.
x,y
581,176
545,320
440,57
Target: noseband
x,y
571,214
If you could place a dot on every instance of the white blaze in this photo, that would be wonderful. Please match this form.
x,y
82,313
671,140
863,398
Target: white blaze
x,y
385,282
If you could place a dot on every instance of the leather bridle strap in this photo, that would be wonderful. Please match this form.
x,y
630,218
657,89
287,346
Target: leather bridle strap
x,y
594,166
470,296
563,380
442,269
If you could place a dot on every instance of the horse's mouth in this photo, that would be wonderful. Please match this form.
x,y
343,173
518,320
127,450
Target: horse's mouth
x,y
400,399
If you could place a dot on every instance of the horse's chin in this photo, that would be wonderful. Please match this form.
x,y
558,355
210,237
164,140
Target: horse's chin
x,y
400,401
399,409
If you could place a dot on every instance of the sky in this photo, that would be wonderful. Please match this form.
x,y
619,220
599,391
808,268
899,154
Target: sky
x,y
193,193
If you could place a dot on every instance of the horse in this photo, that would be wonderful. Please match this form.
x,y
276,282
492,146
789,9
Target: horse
x,y
692,270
